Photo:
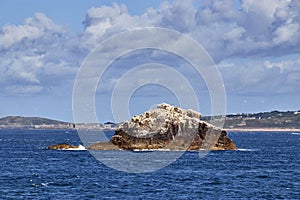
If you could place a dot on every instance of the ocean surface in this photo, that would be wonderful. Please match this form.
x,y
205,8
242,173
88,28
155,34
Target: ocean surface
x,y
266,166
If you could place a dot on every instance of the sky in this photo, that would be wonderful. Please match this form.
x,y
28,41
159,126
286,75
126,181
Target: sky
x,y
255,46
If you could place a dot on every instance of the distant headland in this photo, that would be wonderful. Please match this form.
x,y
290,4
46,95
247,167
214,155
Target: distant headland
x,y
18,122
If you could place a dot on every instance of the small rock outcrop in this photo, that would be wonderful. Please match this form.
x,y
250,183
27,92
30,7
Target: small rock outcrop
x,y
170,127
62,146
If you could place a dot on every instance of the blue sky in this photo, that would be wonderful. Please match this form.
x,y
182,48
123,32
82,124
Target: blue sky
x,y
255,45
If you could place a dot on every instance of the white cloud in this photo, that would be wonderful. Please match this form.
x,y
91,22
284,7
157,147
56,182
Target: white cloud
x,y
261,77
103,21
25,90
32,28
40,53
36,55
288,33
178,16
286,65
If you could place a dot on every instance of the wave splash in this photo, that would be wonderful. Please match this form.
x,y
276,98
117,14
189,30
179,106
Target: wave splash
x,y
247,149
79,148
295,133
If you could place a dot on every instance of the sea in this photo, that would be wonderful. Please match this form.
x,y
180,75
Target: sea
x,y
266,166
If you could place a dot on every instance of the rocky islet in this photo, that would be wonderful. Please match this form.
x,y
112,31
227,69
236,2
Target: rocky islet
x,y
170,128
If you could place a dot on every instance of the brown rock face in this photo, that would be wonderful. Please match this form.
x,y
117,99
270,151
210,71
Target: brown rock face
x,y
62,146
169,127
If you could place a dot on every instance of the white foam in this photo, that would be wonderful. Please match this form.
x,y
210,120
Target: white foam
x,y
80,148
199,150
157,150
294,133
247,149
41,184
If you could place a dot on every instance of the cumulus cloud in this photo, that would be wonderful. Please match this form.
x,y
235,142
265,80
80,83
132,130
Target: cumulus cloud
x,y
101,22
36,56
222,27
261,77
33,28
252,30
40,54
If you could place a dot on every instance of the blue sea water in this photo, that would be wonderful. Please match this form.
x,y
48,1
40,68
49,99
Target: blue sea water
x,y
267,166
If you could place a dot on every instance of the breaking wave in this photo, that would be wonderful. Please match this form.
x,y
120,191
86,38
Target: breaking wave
x,y
294,133
247,149
80,148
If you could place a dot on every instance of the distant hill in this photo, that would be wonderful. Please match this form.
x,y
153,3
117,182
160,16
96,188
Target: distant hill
x,y
16,122
274,119
32,122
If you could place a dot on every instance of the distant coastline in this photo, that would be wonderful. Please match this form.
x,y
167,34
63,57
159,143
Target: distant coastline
x,y
38,123
265,121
